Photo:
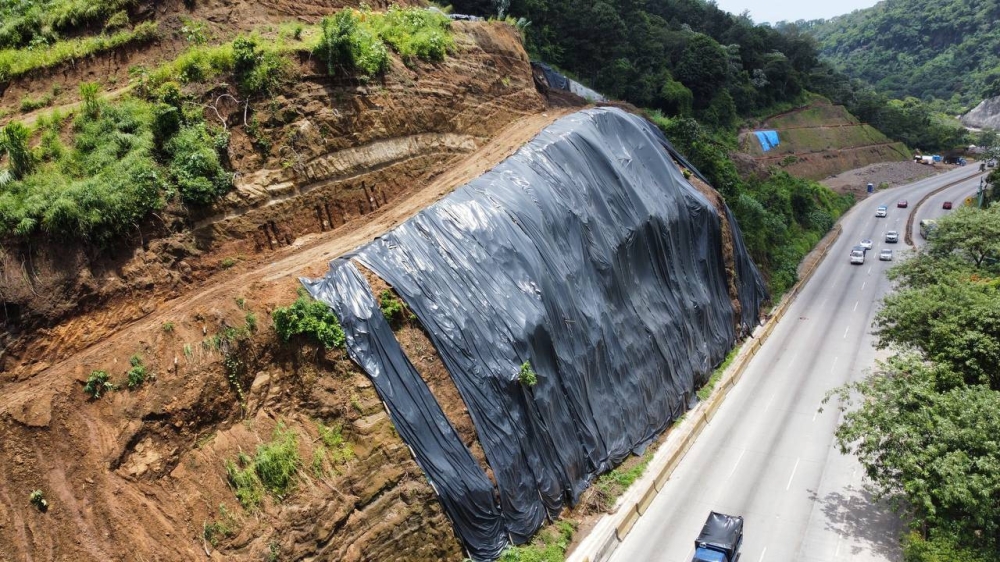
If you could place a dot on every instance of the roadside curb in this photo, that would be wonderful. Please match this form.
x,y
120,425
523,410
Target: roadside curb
x,y
612,529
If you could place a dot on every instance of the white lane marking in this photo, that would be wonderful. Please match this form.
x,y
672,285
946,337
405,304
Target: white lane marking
x,y
768,407
832,367
856,306
870,270
762,554
816,412
836,553
863,285
731,472
845,332
790,478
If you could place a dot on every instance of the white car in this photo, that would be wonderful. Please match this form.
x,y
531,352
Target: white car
x,y
885,255
881,211
866,244
857,256
892,237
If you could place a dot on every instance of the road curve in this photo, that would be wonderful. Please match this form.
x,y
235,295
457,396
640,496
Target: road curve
x,y
932,208
769,453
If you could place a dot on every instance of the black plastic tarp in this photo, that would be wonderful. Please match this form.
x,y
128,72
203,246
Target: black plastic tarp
x,y
586,254
721,532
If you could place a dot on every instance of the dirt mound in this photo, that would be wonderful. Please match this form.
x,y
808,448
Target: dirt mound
x,y
140,473
883,174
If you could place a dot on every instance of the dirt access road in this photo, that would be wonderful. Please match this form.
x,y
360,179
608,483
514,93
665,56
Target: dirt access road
x,y
308,256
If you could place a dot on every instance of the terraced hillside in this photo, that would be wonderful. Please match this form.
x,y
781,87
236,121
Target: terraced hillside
x,y
819,140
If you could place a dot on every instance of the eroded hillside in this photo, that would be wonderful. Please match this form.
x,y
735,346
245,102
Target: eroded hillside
x,y
177,315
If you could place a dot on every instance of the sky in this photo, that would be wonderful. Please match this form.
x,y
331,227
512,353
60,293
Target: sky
x,y
773,11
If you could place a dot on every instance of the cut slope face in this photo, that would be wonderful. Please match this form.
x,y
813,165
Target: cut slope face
x,y
586,258
820,140
986,115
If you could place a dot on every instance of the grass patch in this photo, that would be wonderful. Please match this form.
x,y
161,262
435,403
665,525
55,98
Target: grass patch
x,y
359,40
612,484
15,63
273,469
706,390
34,23
29,104
549,545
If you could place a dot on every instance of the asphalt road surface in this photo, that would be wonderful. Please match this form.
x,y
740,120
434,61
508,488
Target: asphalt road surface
x,y
769,452
933,207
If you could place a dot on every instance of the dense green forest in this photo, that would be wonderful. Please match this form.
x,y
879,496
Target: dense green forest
x,y
924,425
921,48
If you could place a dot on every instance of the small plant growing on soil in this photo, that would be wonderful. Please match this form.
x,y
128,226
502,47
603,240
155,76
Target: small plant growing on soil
x,y
393,308
309,318
37,499
227,263
137,374
97,384
527,375
168,327
272,469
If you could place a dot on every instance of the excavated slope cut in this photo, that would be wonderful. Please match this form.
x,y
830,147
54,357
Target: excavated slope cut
x,y
586,255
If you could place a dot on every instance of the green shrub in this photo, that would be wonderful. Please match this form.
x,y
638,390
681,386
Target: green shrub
x,y
195,165
91,103
137,374
527,375
272,469
97,384
117,20
310,318
257,70
942,549
393,309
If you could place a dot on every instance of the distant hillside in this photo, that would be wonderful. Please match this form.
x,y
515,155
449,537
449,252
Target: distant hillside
x,y
948,50
819,140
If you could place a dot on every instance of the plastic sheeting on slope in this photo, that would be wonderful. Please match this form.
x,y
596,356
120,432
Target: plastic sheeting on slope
x,y
559,81
586,254
768,139
464,490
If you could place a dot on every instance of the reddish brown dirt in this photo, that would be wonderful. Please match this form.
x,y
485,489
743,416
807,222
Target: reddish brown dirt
x,y
139,474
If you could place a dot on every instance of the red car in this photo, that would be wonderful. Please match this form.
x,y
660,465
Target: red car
x,y
947,205
902,204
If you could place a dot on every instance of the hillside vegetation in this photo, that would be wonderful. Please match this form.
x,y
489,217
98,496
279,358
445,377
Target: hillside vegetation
x,y
921,48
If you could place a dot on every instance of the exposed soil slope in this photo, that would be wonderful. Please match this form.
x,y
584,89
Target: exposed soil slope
x,y
140,473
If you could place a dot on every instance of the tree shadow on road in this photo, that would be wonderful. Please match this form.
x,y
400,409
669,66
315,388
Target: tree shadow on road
x,y
853,515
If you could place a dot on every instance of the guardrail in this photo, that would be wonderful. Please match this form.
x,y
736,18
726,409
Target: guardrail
x,y
612,529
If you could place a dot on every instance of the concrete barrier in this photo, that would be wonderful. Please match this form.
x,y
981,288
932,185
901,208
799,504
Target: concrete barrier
x,y
626,524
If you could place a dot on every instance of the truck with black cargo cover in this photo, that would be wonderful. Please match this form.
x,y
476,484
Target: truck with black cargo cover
x,y
720,539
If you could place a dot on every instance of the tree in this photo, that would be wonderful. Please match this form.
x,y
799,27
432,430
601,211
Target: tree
x,y
703,69
973,234
932,453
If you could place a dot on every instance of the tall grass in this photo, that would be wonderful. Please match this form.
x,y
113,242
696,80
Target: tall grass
x,y
33,22
273,469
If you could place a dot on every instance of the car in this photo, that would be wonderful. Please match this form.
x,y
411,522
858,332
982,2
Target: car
x,y
902,204
991,163
857,255
892,237
885,255
881,211
866,244
946,205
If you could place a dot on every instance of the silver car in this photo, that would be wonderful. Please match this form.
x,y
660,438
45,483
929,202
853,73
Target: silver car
x,y
885,255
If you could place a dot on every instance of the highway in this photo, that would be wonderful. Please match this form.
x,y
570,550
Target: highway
x,y
933,207
769,453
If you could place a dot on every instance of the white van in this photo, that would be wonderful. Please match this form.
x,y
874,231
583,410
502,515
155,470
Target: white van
x,y
857,257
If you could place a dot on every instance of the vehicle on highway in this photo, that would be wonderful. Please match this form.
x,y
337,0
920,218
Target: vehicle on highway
x,y
881,211
946,205
866,244
902,204
927,227
892,237
885,255
857,255
720,539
